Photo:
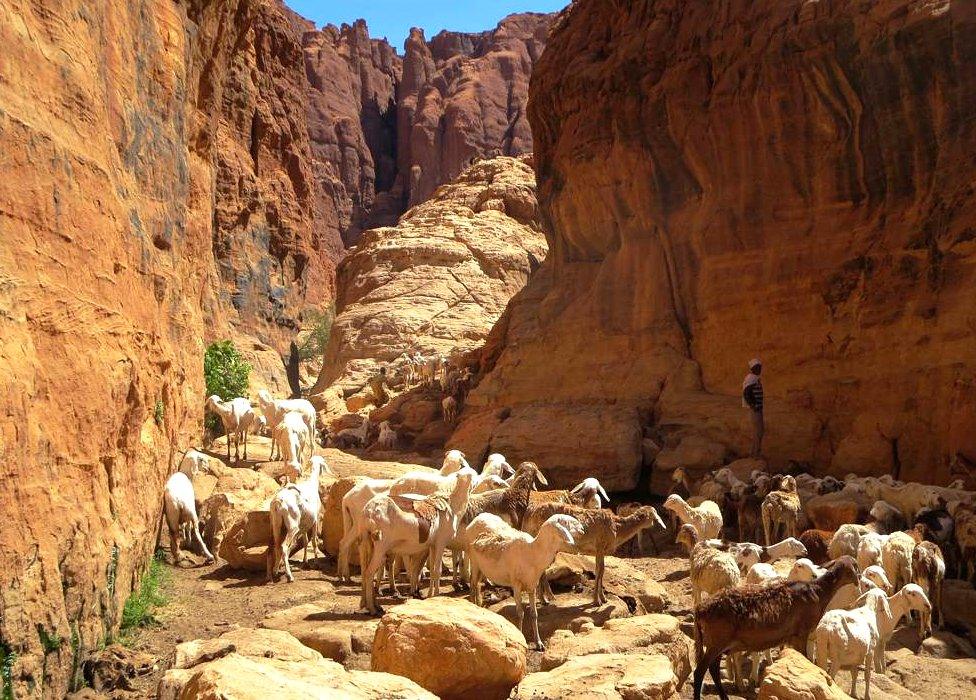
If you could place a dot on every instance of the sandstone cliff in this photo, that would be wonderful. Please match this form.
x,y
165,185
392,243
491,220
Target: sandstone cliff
x,y
274,248
462,96
437,281
157,190
351,94
387,130
791,180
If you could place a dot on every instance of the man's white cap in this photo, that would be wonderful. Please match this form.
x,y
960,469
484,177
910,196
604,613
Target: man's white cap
x,y
754,362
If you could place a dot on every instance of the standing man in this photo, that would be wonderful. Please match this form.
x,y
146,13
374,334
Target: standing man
x,y
752,398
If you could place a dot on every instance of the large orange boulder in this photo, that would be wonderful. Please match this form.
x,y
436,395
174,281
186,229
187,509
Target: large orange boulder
x,y
452,648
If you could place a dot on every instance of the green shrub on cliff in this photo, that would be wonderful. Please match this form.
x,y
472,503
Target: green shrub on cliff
x,y
319,323
225,373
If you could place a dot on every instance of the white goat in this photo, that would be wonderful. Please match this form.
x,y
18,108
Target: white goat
x,y
909,598
510,557
194,462
590,490
425,527
293,439
179,507
295,511
453,461
274,410
238,418
706,518
388,436
869,549
354,436
748,554
849,638
496,465
845,540
710,570
353,504
896,558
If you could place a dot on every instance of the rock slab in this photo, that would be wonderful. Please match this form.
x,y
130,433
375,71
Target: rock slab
x,y
452,648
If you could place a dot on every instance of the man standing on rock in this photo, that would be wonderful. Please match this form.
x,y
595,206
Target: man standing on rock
x,y
752,398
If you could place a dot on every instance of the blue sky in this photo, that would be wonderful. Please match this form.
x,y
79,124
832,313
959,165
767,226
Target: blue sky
x,y
393,18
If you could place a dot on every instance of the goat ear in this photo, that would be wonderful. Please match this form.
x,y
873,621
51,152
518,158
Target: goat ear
x,y
577,487
541,478
603,493
566,534
658,519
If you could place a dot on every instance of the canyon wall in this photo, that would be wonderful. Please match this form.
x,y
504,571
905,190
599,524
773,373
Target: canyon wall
x,y
387,130
157,194
785,179
168,166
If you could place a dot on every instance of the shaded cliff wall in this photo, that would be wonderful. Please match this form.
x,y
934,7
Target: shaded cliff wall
x,y
156,194
792,180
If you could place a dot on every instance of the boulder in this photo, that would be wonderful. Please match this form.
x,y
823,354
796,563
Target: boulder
x,y
245,545
236,493
434,283
641,593
332,528
603,677
263,663
743,468
451,647
319,629
793,677
959,606
931,677
692,452
644,634
945,645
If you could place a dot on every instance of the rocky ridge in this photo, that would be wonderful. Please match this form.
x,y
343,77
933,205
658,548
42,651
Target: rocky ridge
x,y
437,281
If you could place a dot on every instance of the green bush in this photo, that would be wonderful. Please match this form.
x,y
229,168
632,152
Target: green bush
x,y
7,659
49,642
225,373
139,607
314,344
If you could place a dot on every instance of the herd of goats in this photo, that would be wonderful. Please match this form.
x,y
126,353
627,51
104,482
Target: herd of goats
x,y
835,594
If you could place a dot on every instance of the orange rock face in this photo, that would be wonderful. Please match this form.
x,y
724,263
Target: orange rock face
x,y
387,130
462,96
156,189
791,180
437,282
275,250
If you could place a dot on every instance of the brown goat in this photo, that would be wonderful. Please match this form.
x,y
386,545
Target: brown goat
x,y
817,543
603,532
748,508
756,618
509,503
